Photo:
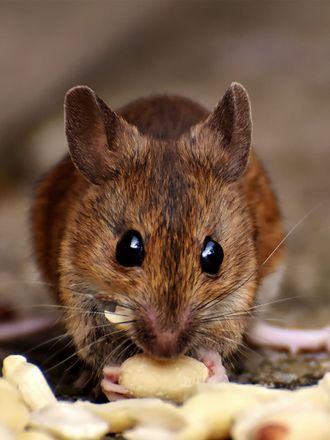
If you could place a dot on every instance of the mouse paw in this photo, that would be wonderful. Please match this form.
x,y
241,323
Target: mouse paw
x,y
110,386
293,340
213,361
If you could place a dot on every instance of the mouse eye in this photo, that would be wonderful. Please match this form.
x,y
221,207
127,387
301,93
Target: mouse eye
x,y
211,256
130,249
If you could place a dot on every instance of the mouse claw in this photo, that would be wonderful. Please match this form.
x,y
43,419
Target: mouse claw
x,y
110,386
293,340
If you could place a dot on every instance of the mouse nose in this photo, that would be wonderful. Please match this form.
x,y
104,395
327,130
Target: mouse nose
x,y
165,343
163,335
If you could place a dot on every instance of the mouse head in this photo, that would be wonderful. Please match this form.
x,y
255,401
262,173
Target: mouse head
x,y
160,236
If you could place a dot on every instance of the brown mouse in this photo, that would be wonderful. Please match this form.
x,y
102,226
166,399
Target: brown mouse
x,y
163,210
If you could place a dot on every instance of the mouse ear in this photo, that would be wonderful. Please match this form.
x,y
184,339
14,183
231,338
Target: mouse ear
x,y
95,134
230,128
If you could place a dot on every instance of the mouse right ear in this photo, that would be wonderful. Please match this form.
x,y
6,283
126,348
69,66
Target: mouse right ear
x,y
96,134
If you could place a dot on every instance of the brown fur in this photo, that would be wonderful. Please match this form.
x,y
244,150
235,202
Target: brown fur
x,y
178,177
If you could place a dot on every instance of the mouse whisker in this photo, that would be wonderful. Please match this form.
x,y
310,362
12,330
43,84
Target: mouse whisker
x,y
114,353
76,353
83,291
249,310
222,296
55,339
241,345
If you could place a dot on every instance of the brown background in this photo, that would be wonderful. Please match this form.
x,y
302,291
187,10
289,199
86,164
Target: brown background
x,y
279,50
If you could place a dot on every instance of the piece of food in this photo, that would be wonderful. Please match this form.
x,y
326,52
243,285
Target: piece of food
x,y
34,435
216,411
210,410
8,389
69,422
6,434
171,380
120,317
13,413
163,420
124,414
283,420
260,392
29,380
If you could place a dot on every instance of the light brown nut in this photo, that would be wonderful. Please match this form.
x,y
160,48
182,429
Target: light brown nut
x,y
125,414
119,415
6,434
283,419
29,380
315,395
324,384
216,411
69,422
13,413
171,380
120,318
8,389
145,432
34,435
258,391
163,420
10,363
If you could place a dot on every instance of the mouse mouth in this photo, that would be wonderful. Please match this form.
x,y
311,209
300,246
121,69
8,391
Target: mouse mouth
x,y
112,388
120,317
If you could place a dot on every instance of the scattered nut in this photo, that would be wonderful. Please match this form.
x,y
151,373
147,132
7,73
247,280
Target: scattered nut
x,y
209,412
29,380
13,413
283,419
68,421
34,435
8,389
117,414
6,434
216,411
120,318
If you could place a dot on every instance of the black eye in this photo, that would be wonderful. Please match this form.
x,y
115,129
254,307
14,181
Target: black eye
x,y
130,249
211,256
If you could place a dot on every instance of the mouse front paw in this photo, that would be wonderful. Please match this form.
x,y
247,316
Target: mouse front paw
x,y
110,384
212,360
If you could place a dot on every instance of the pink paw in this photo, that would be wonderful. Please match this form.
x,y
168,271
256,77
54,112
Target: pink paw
x,y
110,386
213,362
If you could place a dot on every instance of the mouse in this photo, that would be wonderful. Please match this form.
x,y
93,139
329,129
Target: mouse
x,y
163,216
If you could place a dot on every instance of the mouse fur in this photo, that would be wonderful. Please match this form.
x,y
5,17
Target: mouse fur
x,y
170,169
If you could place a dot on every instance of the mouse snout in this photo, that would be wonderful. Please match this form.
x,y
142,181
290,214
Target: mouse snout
x,y
165,343
163,340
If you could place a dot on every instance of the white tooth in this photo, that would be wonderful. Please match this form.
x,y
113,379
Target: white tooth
x,y
119,317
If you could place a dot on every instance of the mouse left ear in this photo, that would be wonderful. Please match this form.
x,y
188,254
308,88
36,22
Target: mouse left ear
x,y
225,135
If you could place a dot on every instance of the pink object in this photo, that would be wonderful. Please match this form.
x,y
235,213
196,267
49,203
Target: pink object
x,y
20,328
213,362
110,386
293,340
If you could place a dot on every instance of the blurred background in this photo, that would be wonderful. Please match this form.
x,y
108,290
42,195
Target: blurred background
x,y
123,49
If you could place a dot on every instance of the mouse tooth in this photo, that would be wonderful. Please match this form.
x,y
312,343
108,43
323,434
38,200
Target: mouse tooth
x,y
119,318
